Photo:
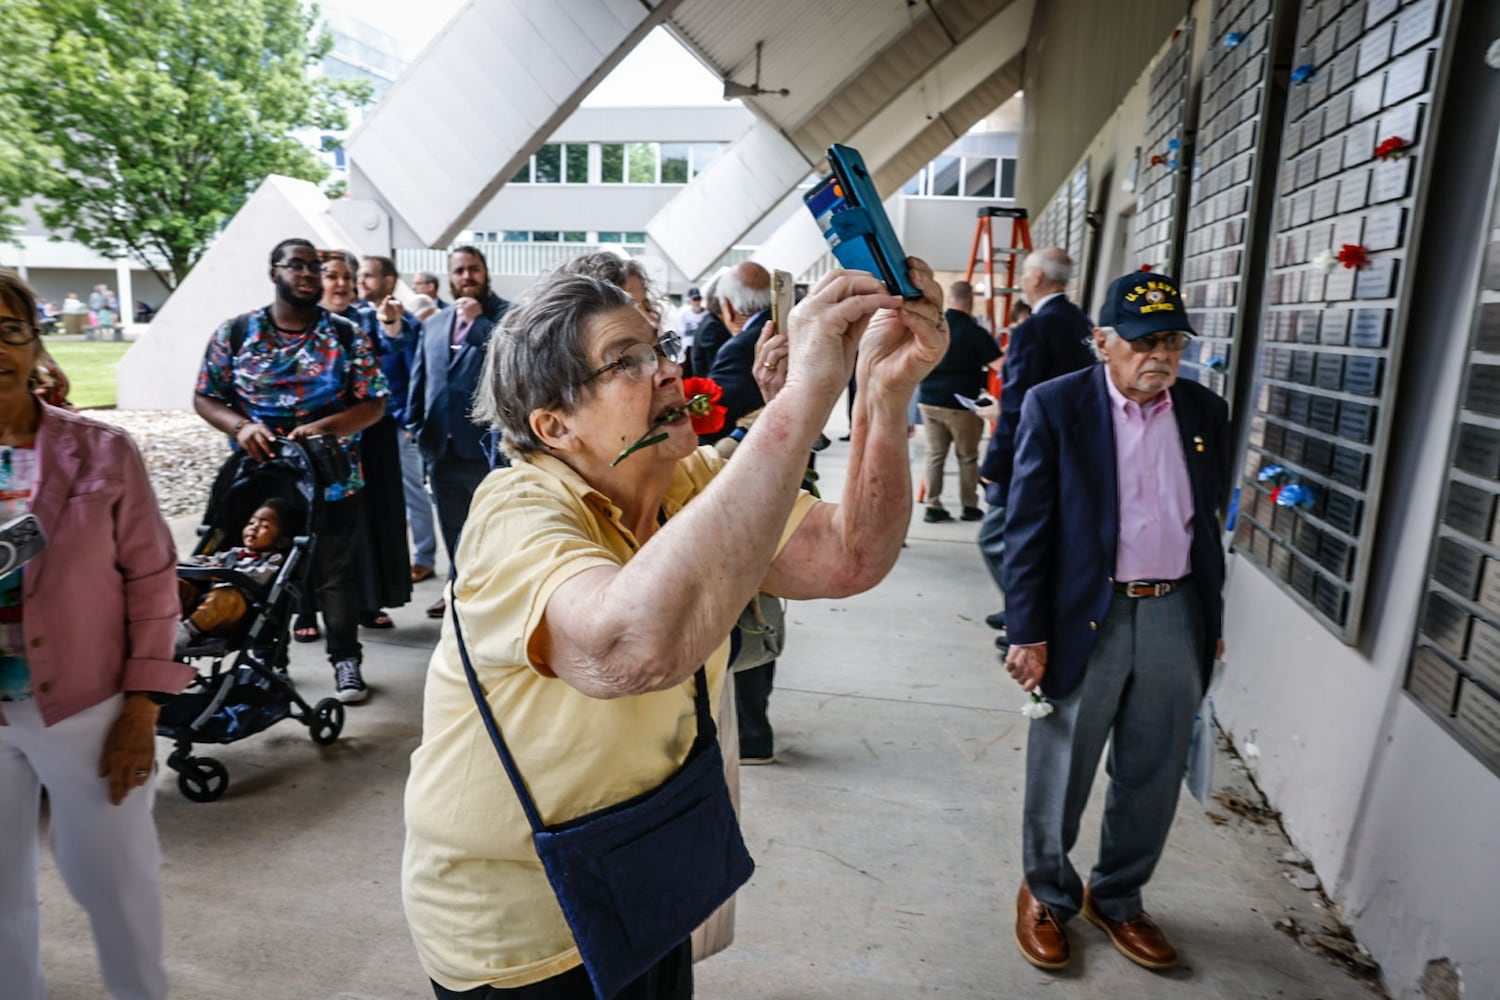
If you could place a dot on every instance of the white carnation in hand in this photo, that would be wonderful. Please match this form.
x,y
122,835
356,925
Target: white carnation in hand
x,y
1038,707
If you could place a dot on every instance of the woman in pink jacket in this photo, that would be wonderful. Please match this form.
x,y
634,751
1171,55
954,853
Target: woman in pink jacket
x,y
86,633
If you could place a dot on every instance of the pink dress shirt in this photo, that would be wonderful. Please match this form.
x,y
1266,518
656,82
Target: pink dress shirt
x,y
1155,496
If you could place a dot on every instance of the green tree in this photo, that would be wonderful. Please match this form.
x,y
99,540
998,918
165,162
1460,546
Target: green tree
x,y
164,115
24,159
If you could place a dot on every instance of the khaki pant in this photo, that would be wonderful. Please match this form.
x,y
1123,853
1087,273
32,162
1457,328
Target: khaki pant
x,y
962,430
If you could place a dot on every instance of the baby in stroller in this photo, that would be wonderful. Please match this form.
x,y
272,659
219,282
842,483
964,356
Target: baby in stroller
x,y
218,608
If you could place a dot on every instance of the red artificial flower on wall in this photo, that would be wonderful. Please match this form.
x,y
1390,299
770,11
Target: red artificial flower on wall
x,y
1392,148
1146,268
1354,256
703,395
1157,159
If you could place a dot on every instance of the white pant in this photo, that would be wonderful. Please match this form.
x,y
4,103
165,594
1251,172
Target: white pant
x,y
107,855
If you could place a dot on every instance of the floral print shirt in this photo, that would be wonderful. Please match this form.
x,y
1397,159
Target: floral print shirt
x,y
284,380
17,476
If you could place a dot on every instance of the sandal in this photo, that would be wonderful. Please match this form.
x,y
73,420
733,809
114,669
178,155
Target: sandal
x,y
420,573
375,619
305,629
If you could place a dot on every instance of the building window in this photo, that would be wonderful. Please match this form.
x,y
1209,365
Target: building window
x,y
547,165
575,237
945,177
576,163
1007,177
612,163
705,153
516,236
641,159
979,177
627,238
523,176
674,162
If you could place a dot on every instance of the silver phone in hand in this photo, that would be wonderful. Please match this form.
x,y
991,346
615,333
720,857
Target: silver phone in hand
x,y
21,540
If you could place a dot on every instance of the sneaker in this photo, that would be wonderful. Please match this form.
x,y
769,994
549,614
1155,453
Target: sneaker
x,y
972,514
936,515
348,682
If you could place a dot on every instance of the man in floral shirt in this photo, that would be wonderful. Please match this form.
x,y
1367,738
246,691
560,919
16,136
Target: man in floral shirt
x,y
293,370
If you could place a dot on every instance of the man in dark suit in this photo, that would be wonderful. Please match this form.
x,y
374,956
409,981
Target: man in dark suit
x,y
1052,342
449,356
711,333
1114,572
745,301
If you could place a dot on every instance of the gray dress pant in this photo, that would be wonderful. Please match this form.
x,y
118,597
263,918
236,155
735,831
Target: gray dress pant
x,y
992,544
1140,692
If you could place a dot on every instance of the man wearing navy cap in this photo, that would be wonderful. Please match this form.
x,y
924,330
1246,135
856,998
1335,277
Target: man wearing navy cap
x,y
1114,573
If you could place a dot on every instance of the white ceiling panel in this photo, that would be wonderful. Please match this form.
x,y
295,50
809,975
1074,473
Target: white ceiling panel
x,y
501,77
918,59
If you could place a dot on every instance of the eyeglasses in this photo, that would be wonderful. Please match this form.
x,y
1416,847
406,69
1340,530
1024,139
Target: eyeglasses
x,y
639,362
1174,341
17,334
302,266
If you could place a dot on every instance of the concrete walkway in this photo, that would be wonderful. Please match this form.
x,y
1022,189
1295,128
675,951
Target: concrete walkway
x,y
887,839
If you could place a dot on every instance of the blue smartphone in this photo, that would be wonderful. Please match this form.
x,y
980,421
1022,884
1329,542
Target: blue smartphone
x,y
853,221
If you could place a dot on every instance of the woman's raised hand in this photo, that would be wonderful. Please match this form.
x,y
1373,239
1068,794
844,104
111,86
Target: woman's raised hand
x,y
824,330
904,344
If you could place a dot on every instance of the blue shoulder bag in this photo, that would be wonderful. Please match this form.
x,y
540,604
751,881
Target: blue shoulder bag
x,y
635,878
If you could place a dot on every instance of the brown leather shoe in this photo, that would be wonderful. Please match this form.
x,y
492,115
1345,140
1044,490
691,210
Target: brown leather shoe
x,y
1138,939
1039,934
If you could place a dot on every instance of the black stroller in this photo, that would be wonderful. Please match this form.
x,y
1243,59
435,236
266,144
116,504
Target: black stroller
x,y
247,688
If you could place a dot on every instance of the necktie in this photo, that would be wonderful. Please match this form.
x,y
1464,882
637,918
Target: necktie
x,y
460,331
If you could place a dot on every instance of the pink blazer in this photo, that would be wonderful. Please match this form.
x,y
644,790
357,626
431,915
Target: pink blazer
x,y
101,601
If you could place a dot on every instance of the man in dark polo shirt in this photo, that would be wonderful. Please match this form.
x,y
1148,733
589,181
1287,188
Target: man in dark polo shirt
x,y
963,371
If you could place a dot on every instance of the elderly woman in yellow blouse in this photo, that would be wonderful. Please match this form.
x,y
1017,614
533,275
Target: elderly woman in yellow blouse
x,y
590,589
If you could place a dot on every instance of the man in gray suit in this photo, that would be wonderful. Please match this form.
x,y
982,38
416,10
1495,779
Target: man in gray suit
x,y
449,357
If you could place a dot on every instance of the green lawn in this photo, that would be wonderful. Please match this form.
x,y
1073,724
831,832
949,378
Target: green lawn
x,y
90,367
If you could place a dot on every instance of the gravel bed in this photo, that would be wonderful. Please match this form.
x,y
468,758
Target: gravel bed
x,y
182,454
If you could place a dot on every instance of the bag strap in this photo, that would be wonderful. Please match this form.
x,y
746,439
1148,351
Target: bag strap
x,y
706,730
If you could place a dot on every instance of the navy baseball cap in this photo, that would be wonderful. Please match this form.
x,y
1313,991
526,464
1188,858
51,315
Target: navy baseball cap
x,y
1142,303
693,293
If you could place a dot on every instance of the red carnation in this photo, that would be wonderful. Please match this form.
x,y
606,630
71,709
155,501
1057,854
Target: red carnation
x,y
703,395
1157,159
1354,256
1146,268
1392,148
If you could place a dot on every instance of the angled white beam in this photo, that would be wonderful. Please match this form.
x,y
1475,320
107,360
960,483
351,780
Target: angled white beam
x,y
724,202
933,69
490,89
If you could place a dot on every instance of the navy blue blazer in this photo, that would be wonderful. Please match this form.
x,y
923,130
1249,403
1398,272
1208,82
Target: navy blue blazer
x,y
734,370
1062,522
443,382
1051,342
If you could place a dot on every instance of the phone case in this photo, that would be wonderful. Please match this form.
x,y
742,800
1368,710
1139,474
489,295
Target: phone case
x,y
853,221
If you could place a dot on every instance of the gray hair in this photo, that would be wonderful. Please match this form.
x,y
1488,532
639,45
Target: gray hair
x,y
1055,265
747,301
1110,336
711,292
610,267
538,359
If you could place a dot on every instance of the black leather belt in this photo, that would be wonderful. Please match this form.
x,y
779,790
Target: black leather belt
x,y
1148,588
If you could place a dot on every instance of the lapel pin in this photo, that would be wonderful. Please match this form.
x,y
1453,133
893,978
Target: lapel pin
x,y
1197,442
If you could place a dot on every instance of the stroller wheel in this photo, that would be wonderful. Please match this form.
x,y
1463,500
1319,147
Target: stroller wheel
x,y
202,779
327,721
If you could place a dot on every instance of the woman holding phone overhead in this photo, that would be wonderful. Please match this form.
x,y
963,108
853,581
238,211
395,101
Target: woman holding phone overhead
x,y
599,573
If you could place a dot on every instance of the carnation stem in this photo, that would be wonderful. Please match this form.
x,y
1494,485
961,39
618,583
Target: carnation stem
x,y
646,440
